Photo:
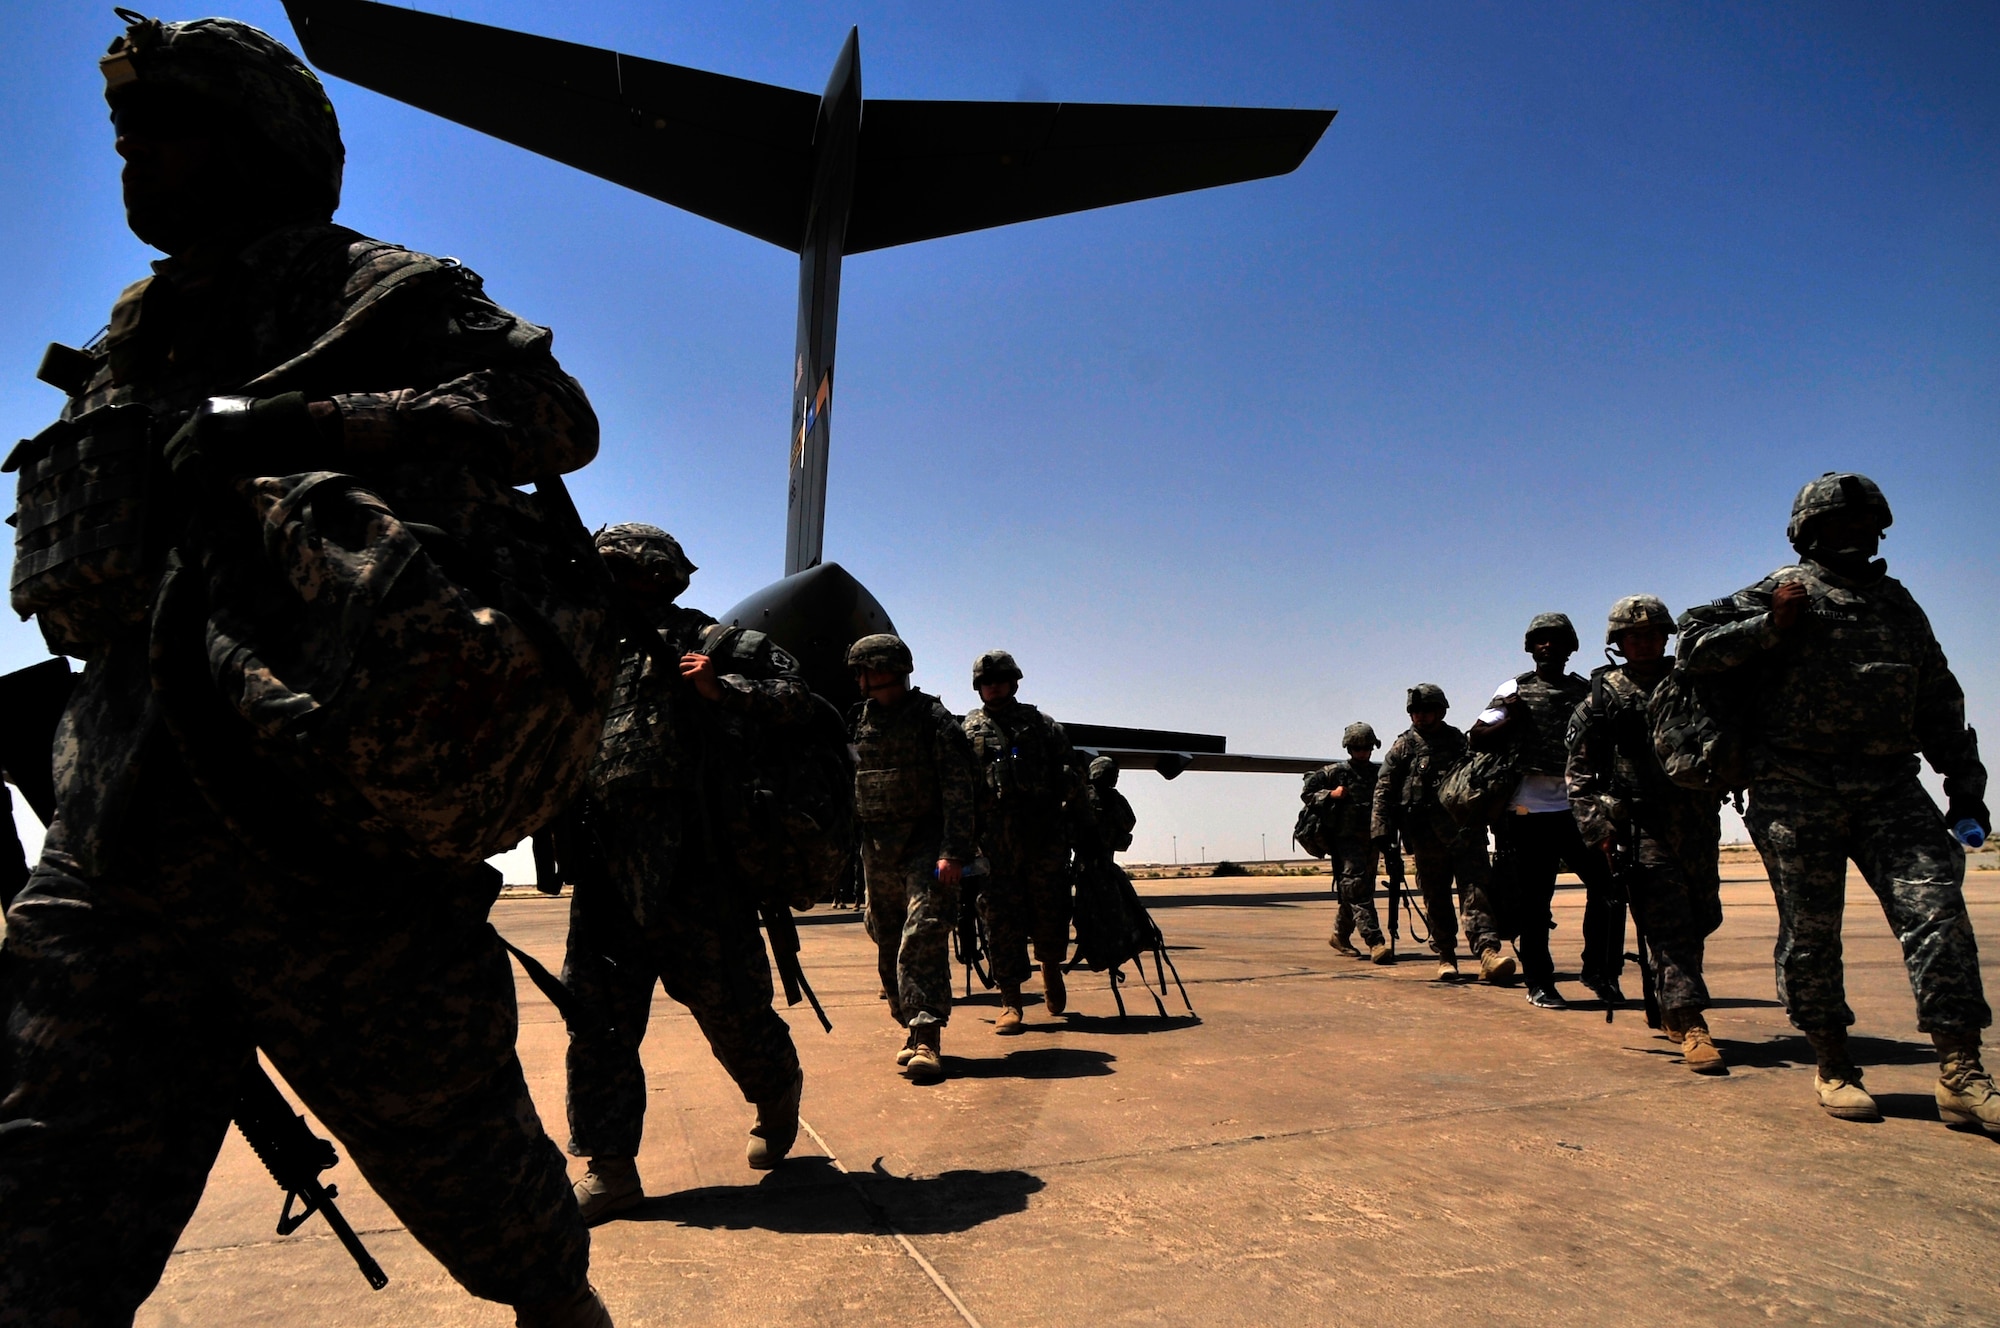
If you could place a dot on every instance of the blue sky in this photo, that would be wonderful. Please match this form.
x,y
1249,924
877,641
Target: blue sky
x,y
1566,305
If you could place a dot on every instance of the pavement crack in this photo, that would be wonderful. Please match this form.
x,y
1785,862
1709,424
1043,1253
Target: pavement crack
x,y
881,1219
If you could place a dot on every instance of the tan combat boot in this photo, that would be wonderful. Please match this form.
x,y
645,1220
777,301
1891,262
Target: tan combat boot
x,y
1381,953
1009,1021
777,1127
1447,968
610,1186
926,1063
1495,967
1698,1050
579,1309
1055,996
1344,945
909,1048
1837,1080
1965,1092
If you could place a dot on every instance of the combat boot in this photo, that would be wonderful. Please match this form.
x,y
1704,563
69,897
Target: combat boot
x,y
610,1186
1495,967
1698,1050
1009,1021
1965,1092
909,1048
579,1309
1055,996
1837,1080
926,1064
1381,953
1343,944
777,1127
1447,968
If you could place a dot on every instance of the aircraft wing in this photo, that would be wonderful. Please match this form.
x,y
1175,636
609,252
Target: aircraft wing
x,y
741,153
1170,753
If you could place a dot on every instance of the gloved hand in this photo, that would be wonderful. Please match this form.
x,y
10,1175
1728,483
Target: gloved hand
x,y
231,436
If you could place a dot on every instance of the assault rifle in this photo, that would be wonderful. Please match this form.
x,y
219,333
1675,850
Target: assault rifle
x,y
1399,884
295,1156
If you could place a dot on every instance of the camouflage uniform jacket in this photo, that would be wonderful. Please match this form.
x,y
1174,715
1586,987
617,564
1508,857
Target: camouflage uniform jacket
x,y
1615,778
1849,696
1406,786
1030,783
1113,817
1350,815
659,731
446,402
913,768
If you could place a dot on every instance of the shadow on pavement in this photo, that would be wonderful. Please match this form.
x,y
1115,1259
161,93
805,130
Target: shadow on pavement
x,y
1031,1063
1097,1025
1264,899
1793,1049
807,1196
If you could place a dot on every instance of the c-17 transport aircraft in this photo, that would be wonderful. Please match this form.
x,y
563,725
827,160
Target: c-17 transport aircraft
x,y
820,176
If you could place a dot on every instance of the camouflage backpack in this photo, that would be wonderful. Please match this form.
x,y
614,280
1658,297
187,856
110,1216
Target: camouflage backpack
x,y
1308,833
1476,789
793,786
1700,722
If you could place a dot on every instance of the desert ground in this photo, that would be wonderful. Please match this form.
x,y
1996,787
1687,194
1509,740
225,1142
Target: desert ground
x,y
1327,1142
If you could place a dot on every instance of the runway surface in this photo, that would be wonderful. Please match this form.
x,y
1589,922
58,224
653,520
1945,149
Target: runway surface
x,y
1330,1142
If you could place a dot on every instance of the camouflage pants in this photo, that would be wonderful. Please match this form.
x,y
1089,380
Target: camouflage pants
x,y
1440,860
911,914
1677,908
1354,882
1528,852
1026,901
1916,869
137,999
699,941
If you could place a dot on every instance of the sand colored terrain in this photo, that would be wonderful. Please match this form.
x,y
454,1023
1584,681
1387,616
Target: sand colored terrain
x,y
1329,1143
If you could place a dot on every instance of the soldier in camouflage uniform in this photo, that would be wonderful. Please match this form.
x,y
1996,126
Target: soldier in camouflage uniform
x,y
166,932
1343,796
1109,811
1666,837
1536,834
1031,809
1406,805
668,908
1845,685
913,795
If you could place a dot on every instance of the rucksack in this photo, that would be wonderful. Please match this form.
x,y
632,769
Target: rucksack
x,y
1699,724
1113,929
794,787
1307,832
1476,788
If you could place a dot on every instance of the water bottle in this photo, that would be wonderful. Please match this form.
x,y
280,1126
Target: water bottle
x,y
1969,833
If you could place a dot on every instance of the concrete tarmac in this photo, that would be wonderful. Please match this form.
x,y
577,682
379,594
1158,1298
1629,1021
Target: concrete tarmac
x,y
1330,1142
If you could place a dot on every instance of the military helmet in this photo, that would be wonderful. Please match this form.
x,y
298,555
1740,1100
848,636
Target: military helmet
x,y
1361,735
1557,625
882,652
651,549
1427,696
995,666
244,72
1104,772
1637,611
1836,491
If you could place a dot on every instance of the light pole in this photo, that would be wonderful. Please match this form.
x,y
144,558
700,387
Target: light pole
x,y
1263,848
1177,850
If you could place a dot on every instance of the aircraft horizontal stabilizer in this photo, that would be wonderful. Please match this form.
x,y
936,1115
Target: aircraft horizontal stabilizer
x,y
723,148
934,168
741,153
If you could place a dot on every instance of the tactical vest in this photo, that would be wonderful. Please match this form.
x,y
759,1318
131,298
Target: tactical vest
x,y
1017,758
1432,757
896,772
1543,750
